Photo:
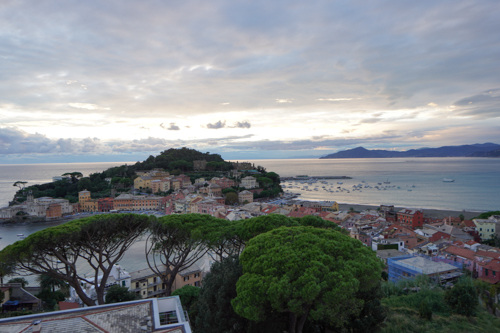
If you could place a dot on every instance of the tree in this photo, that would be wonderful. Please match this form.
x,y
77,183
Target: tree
x,y
213,313
50,283
7,267
20,184
462,217
51,298
462,298
96,243
20,280
305,272
231,198
117,293
75,176
188,295
175,243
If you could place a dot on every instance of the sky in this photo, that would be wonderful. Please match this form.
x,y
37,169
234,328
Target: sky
x,y
122,80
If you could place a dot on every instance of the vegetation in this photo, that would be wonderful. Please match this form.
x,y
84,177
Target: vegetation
x,y
20,280
304,272
462,298
487,214
189,296
175,243
99,241
117,293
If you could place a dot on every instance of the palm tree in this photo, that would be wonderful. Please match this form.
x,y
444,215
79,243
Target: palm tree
x,y
48,282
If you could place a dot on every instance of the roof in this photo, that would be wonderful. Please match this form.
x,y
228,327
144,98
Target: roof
x,y
409,211
134,316
426,266
457,251
68,305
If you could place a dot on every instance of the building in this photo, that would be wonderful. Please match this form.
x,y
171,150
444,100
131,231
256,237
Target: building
x,y
18,298
487,227
410,217
249,182
129,202
245,196
105,204
53,212
408,267
117,276
143,182
148,315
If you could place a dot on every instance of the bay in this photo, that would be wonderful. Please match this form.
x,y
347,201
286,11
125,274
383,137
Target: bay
x,y
476,186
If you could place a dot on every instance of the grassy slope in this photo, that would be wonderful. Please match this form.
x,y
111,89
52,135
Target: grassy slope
x,y
404,317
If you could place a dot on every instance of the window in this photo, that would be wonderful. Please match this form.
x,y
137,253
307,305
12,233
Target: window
x,y
144,293
197,283
154,279
123,283
486,272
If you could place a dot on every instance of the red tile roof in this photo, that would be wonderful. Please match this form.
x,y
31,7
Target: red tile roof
x,y
296,214
458,251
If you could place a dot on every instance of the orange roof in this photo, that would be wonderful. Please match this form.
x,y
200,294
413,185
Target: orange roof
x,y
488,254
68,305
458,251
469,223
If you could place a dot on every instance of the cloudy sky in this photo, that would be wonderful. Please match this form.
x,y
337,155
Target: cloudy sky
x,y
121,80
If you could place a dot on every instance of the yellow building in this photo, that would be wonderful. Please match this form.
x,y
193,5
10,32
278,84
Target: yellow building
x,y
487,227
142,182
83,196
148,284
90,206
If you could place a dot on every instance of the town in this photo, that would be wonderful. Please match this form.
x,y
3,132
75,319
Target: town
x,y
409,243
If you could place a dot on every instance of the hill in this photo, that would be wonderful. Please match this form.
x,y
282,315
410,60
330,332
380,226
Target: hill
x,y
474,150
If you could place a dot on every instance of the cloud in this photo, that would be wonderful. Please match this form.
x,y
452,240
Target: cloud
x,y
217,125
284,100
370,120
87,106
242,124
335,99
484,105
172,127
432,104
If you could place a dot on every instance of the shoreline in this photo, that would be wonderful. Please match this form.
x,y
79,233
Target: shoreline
x,y
428,212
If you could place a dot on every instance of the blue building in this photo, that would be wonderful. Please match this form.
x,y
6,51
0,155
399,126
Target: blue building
x,y
407,267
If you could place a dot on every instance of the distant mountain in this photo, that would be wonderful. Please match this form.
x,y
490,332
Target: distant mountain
x,y
491,153
475,150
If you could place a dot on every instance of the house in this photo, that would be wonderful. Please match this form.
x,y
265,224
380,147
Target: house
x,y
410,217
245,196
18,298
487,227
148,315
143,182
408,267
489,271
117,276
249,182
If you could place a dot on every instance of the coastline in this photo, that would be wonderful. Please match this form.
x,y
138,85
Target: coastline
x,y
428,212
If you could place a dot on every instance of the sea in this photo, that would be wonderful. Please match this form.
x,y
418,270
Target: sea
x,y
406,182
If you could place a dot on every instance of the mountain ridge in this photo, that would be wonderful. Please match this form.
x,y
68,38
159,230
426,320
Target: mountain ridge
x,y
487,149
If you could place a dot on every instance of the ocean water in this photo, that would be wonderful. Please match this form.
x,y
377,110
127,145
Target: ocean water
x,y
476,186
42,173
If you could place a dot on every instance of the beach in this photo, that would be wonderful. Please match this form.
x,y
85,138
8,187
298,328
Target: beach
x,y
434,213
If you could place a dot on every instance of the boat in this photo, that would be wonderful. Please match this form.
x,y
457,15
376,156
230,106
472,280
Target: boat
x,y
448,180
387,181
339,183
20,235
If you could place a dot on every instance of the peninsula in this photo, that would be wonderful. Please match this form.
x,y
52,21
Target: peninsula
x,y
475,150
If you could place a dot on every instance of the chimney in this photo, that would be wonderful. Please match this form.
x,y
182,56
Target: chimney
x,y
36,325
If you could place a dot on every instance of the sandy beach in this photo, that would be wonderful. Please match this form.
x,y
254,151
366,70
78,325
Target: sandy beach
x,y
435,213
